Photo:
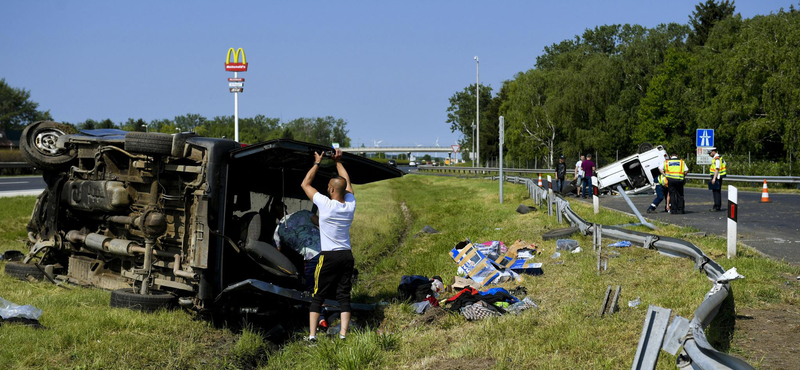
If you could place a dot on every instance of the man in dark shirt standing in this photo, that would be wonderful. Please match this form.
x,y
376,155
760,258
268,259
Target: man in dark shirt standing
x,y
588,172
561,174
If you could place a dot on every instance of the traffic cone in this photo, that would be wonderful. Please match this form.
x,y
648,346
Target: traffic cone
x,y
765,193
540,179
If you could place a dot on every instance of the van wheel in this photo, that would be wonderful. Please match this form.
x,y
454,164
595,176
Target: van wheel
x,y
645,147
38,145
154,143
128,298
22,271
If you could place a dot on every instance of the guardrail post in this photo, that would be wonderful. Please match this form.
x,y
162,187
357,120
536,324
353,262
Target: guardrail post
x,y
550,203
595,198
733,215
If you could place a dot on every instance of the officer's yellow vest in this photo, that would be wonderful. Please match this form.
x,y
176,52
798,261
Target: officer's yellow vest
x,y
723,169
662,180
674,169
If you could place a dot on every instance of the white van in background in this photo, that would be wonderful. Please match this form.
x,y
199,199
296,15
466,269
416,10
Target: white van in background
x,y
636,172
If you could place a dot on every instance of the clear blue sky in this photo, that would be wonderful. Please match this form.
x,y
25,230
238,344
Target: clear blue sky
x,y
388,69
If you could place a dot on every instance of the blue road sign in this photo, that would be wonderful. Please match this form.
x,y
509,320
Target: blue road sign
x,y
705,137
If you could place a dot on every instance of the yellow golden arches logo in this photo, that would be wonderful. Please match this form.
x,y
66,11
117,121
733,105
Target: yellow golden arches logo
x,y
236,66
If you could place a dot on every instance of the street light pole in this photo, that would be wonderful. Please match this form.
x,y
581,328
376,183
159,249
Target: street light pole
x,y
478,106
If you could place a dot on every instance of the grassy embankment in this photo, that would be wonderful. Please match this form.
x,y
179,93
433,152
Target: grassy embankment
x,y
564,333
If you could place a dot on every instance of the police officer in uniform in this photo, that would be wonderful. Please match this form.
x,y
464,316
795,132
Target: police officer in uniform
x,y
661,187
718,172
675,171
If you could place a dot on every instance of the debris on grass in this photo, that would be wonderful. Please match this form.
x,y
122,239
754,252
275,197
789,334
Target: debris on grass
x,y
634,303
566,244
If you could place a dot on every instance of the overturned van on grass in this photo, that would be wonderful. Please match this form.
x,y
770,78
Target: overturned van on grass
x,y
636,172
165,219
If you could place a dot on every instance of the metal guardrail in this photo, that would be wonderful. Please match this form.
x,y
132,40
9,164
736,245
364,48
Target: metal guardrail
x,y
690,176
457,169
4,165
697,352
742,178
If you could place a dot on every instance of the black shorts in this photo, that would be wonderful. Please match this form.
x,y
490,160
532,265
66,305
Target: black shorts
x,y
333,279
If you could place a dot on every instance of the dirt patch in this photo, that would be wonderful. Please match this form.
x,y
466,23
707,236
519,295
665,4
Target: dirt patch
x,y
432,316
770,337
463,364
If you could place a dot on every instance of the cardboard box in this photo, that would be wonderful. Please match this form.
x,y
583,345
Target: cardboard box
x,y
471,262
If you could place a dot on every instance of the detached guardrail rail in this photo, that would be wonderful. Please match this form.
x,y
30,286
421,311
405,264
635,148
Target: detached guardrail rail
x,y
697,352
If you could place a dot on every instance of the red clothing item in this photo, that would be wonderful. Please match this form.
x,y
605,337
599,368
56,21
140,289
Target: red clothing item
x,y
587,168
466,290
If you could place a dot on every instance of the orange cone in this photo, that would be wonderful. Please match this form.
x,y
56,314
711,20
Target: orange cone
x,y
765,193
540,179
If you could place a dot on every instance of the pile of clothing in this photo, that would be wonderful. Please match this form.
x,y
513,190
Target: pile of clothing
x,y
422,290
476,305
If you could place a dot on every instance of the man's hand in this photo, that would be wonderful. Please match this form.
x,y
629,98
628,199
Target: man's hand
x,y
318,157
337,155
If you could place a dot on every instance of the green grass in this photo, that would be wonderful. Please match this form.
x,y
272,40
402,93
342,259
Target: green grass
x,y
564,333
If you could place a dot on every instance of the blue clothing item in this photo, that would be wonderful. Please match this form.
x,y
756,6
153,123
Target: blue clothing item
x,y
298,232
559,185
587,187
659,197
494,291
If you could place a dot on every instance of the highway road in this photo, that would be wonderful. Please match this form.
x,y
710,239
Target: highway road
x,y
771,228
21,185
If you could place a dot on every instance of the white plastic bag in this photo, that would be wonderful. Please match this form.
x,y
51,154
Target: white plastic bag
x,y
10,310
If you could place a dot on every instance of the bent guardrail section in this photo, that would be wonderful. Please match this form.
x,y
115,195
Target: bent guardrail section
x,y
697,352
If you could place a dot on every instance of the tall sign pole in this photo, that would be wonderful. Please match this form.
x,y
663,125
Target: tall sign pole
x,y
502,141
478,106
236,84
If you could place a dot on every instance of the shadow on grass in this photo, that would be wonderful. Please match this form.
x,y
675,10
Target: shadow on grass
x,y
720,331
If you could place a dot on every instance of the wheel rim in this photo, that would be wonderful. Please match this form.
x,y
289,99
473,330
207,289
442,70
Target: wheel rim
x,y
45,141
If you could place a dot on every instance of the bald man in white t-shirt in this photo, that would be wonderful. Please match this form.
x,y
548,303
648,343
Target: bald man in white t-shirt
x,y
333,276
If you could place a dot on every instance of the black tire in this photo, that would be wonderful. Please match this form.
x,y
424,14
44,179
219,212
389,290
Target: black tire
x,y
22,271
156,299
37,144
560,233
645,147
153,143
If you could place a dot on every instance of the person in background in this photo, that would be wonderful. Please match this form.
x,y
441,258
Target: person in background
x,y
588,171
561,174
579,174
718,172
675,170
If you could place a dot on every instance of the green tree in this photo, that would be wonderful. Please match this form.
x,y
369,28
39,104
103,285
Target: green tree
x,y
705,17
17,109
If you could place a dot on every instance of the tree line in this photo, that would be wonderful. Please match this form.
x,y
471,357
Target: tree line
x,y
17,110
617,86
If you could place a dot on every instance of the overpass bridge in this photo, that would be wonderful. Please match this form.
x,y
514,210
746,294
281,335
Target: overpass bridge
x,y
400,149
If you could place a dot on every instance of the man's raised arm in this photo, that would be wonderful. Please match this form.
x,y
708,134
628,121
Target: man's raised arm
x,y
337,157
306,185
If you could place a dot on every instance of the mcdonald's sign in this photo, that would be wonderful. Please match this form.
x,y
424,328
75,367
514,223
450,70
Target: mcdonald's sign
x,y
236,66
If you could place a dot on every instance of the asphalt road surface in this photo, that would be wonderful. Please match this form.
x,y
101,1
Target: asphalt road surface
x,y
771,228
21,185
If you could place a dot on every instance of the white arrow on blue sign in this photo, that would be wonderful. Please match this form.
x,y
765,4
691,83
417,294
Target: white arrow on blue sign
x,y
705,137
